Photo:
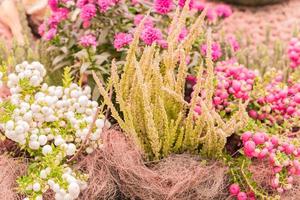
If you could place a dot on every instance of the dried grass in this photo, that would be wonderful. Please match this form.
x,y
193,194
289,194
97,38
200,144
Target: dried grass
x,y
10,169
176,177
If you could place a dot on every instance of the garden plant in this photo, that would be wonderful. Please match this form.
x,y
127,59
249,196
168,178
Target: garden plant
x,y
148,100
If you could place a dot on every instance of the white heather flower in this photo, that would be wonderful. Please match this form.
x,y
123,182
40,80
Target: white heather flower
x,y
34,145
47,149
58,141
74,189
100,123
71,149
36,187
10,125
40,197
43,140
43,174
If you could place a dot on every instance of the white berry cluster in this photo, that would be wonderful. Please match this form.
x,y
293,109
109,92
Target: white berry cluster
x,y
46,118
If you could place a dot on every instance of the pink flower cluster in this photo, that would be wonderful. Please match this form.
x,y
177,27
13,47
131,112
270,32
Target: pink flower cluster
x,y
121,40
60,12
235,191
283,157
214,12
294,53
281,102
234,44
88,41
149,35
163,6
216,51
233,80
48,29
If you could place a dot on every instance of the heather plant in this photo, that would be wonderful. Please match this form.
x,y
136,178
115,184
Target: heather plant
x,y
150,94
52,125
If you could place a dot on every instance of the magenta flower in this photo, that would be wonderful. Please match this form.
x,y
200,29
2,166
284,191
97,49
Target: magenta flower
x,y
223,11
104,5
88,11
163,6
121,40
150,35
81,3
138,18
88,40
233,43
211,15
53,4
199,6
181,3
184,32
216,51
49,35
42,29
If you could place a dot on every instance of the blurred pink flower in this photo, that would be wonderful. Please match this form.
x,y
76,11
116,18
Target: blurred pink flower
x,y
53,4
223,10
233,43
50,34
88,11
81,3
104,5
163,6
121,40
138,18
216,50
184,32
42,29
88,40
150,35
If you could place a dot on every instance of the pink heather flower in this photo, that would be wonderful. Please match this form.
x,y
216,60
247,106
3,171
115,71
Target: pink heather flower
x,y
163,43
121,40
88,40
216,51
211,15
138,18
223,11
150,35
104,5
88,11
163,6
242,196
181,3
81,3
62,14
53,4
42,29
184,32
233,43
199,6
294,53
49,35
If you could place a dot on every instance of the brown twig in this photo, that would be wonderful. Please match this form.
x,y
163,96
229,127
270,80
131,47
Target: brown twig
x,y
83,144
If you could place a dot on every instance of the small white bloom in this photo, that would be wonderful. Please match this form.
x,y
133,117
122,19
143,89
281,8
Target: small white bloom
x,y
71,149
36,187
43,140
47,149
74,189
34,145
